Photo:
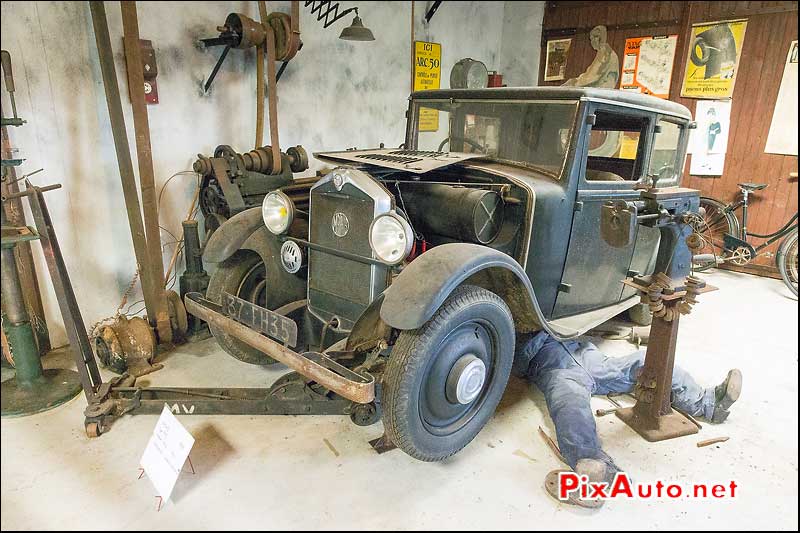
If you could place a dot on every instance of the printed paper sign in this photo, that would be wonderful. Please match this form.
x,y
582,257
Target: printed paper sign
x,y
647,67
782,137
708,143
713,59
555,66
166,452
427,76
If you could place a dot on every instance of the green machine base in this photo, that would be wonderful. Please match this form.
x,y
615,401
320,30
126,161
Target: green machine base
x,y
53,388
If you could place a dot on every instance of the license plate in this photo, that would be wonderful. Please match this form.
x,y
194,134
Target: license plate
x,y
268,322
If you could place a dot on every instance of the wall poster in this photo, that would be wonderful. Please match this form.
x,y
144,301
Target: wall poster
x,y
427,76
647,65
708,143
782,138
555,66
713,59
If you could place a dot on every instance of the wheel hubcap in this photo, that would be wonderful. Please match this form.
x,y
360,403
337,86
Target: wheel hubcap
x,y
458,377
466,380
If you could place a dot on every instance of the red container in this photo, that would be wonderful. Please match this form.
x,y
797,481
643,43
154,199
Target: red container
x,y
495,79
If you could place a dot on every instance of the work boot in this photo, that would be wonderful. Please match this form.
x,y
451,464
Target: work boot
x,y
595,470
725,394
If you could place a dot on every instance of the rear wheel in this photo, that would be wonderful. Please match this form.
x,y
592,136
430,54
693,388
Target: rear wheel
x,y
444,380
787,261
243,275
712,228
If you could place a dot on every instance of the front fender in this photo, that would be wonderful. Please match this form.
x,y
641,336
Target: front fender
x,y
232,234
426,282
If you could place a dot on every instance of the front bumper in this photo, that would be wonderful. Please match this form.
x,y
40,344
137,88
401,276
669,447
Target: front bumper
x,y
315,366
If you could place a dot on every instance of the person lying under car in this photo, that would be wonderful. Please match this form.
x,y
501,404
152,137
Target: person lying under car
x,y
569,373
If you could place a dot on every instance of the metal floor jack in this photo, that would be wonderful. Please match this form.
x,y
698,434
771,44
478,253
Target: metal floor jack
x,y
291,394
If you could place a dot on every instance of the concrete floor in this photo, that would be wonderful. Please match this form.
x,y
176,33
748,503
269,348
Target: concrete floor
x,y
319,472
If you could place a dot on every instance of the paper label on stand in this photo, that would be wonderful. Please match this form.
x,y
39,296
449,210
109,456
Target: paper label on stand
x,y
166,452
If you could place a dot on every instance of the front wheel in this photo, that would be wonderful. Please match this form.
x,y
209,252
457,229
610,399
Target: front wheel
x,y
787,261
243,275
444,380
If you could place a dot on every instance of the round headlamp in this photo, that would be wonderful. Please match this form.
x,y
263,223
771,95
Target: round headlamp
x,y
277,210
391,238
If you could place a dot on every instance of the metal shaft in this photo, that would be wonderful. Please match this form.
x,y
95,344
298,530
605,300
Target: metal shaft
x,y
18,328
141,125
123,150
13,210
70,312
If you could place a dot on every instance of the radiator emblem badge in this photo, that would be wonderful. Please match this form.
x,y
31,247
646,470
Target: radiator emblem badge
x,y
340,224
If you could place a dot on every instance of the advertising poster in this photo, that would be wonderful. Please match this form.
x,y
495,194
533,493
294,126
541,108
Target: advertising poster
x,y
708,143
782,138
555,66
713,59
427,76
647,65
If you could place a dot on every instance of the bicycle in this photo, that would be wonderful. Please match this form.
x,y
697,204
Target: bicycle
x,y
720,230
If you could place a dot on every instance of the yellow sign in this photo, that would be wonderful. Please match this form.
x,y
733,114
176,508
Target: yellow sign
x,y
427,76
713,59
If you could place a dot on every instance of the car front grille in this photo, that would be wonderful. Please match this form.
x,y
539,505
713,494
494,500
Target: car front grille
x,y
337,286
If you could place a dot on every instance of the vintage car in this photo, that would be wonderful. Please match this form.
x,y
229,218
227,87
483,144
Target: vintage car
x,y
405,283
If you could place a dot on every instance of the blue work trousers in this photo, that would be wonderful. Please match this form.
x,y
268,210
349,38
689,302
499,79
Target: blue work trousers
x,y
569,373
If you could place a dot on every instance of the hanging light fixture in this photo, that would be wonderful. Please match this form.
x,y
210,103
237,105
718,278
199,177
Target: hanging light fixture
x,y
356,31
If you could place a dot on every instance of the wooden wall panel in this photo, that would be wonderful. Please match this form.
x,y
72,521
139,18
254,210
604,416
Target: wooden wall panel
x,y
770,29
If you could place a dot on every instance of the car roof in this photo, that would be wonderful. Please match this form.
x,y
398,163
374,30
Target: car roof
x,y
612,96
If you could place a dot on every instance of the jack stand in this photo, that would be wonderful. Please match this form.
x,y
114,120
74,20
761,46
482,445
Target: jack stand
x,y
382,444
652,416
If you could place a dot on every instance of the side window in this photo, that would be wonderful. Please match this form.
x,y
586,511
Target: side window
x,y
663,162
616,147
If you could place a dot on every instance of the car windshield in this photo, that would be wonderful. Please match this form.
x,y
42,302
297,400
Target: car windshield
x,y
531,134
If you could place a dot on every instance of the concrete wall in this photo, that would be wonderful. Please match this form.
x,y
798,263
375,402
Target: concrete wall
x,y
335,94
521,42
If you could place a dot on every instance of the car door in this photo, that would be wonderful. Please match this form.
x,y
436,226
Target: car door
x,y
614,158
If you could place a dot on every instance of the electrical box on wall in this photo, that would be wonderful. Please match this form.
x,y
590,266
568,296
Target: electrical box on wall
x,y
150,70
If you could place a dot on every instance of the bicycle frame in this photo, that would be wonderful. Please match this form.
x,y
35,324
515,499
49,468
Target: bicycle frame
x,y
743,235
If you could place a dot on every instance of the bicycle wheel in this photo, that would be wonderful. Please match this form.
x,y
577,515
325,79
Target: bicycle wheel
x,y
712,227
787,261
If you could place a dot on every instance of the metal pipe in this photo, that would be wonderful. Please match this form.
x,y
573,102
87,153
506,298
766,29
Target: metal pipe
x,y
18,326
141,125
25,266
117,118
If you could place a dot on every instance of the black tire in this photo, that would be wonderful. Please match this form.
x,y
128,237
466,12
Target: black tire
x,y
420,416
786,258
712,228
242,275
705,53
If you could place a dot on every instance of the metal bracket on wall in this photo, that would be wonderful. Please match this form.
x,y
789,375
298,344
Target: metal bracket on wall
x,y
432,10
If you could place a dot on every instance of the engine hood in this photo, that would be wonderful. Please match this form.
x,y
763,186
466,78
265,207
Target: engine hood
x,y
415,161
